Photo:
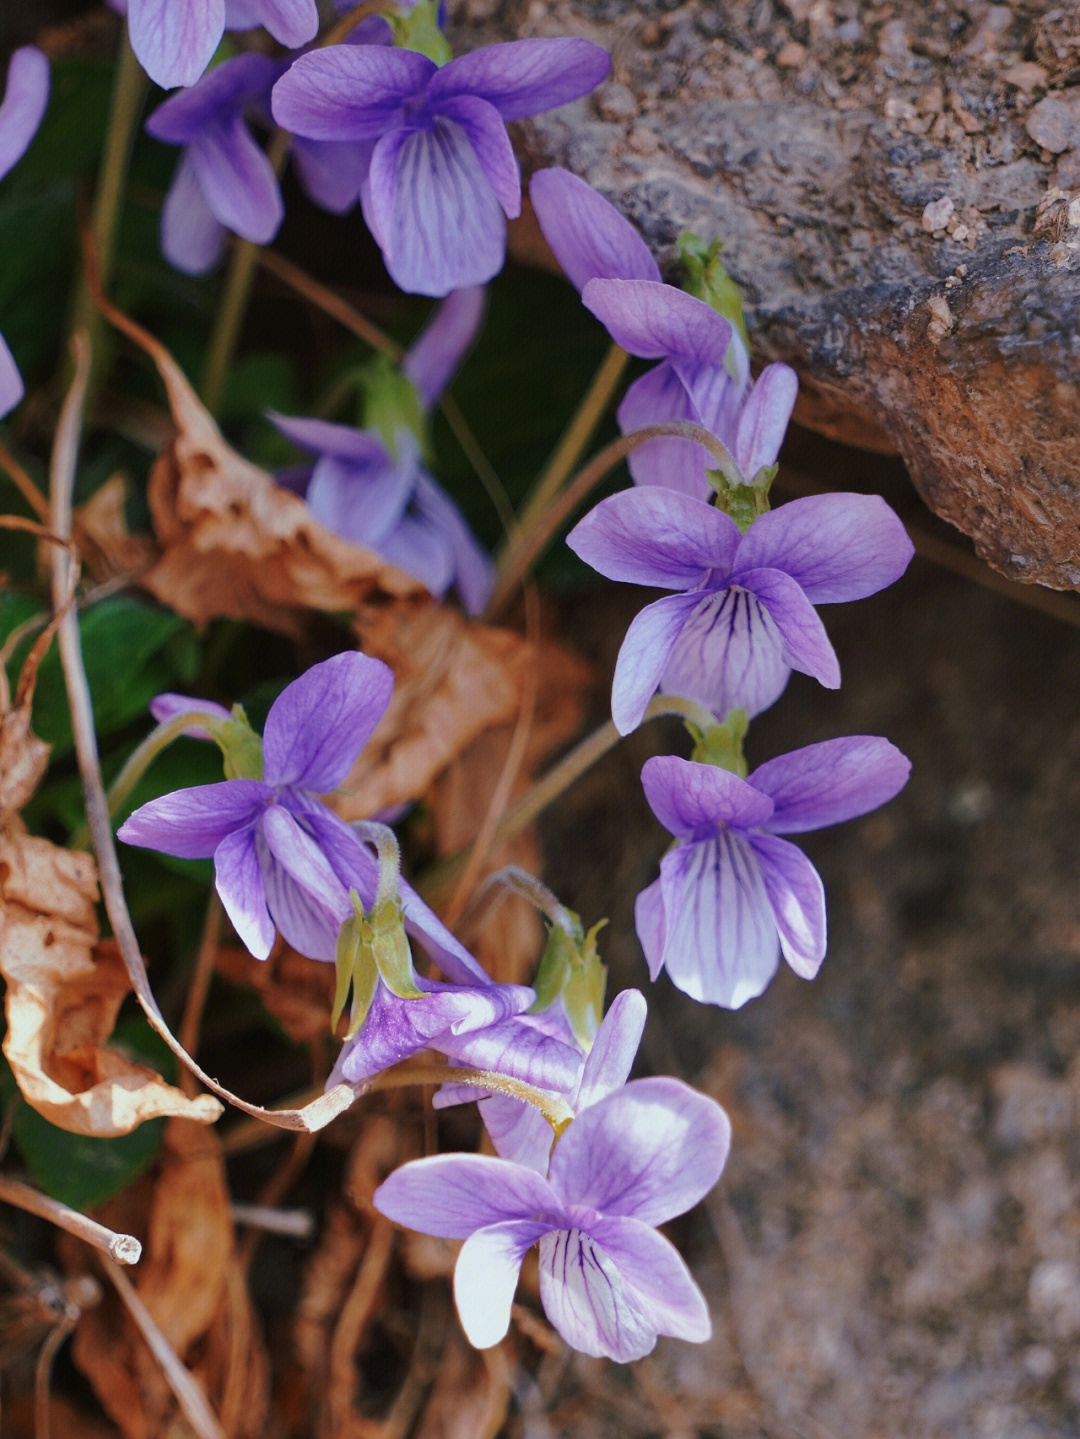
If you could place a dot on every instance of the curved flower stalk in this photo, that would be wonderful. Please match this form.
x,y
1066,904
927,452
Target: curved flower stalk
x,y
744,617
26,96
520,1132
225,181
374,489
731,894
443,178
609,1282
175,40
704,374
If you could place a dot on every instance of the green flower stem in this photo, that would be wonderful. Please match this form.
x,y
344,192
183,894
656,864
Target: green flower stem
x,y
526,549
560,777
143,756
385,841
577,436
129,92
235,297
556,1111
538,895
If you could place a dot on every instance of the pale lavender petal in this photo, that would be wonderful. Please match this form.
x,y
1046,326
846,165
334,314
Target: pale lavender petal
x,y
454,1195
764,419
586,1300
331,172
12,388
238,879
715,397
804,644
694,800
518,1050
25,99
836,547
658,396
650,1151
797,897
174,40
169,706
362,505
474,573
827,783
432,210
218,98
614,1049
444,342
348,92
588,236
517,1130
397,1028
319,724
649,923
418,547
192,240
644,656
484,129
323,437
653,536
291,22
486,1275
307,900
720,941
238,181
191,823
523,77
654,1271
657,322
729,655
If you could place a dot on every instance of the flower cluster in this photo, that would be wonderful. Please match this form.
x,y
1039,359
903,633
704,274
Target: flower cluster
x,y
589,1161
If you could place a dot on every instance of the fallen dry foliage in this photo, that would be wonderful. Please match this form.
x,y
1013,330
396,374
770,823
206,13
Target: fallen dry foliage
x,y
298,992
64,991
192,1282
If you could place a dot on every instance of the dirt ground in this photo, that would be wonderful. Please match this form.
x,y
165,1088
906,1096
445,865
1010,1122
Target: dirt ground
x,y
893,1249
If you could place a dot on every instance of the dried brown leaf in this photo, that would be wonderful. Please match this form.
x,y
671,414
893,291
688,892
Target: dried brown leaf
x,y
191,1281
23,758
296,991
64,990
100,529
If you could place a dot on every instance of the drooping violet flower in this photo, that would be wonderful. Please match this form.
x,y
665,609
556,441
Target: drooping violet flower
x,y
443,177
609,1283
225,182
175,40
375,490
705,371
25,97
282,859
745,617
518,1130
731,894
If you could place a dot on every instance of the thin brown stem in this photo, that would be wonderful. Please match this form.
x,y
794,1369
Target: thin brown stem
x,y
124,1248
190,1023
24,484
331,304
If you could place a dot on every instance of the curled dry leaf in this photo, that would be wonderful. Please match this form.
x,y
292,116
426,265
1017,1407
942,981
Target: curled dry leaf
x,y
192,1282
64,990
23,757
105,543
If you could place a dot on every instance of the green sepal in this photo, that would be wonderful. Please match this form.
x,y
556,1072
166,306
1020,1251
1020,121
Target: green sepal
x,y
418,29
391,404
241,748
583,995
705,277
390,948
355,967
722,744
553,969
745,503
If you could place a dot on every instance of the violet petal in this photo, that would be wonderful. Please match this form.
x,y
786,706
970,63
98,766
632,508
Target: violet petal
x,y
25,99
444,342
348,92
649,923
168,706
238,181
174,40
588,236
192,239
693,800
614,1049
797,897
319,724
644,656
218,98
238,879
827,783
291,22
729,655
804,644
12,388
764,419
484,129
585,1299
654,1271
331,172
474,573
191,823
524,77
653,536
658,322
657,396
486,1275
453,1195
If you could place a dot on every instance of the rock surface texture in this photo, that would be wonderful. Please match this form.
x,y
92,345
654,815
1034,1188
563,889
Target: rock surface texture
x,y
897,187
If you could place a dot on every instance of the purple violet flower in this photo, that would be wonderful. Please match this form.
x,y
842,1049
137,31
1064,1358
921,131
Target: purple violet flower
x,y
443,177
731,894
705,371
518,1130
175,40
386,500
225,182
609,1282
25,98
745,617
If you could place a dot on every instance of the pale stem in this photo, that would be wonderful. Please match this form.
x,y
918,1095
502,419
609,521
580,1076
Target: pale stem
x,y
389,851
530,888
235,297
555,1110
124,1248
295,1223
570,447
143,755
522,555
